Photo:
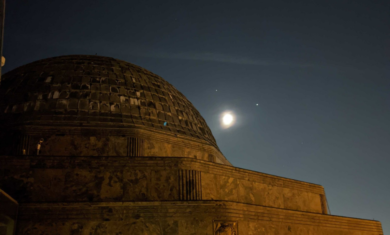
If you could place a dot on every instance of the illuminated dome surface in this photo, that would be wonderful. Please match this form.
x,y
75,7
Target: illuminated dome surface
x,y
95,90
84,105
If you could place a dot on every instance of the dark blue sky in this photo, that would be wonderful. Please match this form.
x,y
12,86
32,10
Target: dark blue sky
x,y
319,70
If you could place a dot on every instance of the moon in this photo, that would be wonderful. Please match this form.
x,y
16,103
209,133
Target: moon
x,y
227,119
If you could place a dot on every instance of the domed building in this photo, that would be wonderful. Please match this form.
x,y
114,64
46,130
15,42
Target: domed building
x,y
95,145
99,106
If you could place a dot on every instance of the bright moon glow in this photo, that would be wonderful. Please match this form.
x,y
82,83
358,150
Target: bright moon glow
x,y
227,119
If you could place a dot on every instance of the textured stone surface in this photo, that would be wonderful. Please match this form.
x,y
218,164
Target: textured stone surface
x,y
105,179
91,105
95,89
170,218
88,146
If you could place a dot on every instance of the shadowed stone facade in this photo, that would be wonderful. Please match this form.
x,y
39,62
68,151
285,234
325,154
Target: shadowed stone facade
x,y
135,157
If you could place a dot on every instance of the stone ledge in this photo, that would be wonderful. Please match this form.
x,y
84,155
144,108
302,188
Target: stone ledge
x,y
121,211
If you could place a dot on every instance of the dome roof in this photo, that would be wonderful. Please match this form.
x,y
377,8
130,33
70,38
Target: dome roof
x,y
98,91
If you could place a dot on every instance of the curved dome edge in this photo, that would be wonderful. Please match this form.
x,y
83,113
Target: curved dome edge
x,y
101,90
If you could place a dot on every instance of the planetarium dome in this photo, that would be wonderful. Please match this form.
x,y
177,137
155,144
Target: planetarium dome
x,y
84,105
95,145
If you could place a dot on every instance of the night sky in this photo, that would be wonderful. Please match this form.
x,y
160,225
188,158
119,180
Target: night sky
x,y
318,70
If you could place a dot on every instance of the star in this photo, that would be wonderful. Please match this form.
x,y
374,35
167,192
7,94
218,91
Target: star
x,y
216,90
257,104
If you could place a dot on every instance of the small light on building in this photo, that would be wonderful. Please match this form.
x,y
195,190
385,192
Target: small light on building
x,y
39,145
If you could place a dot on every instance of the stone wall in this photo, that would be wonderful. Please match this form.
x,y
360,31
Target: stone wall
x,y
183,218
95,141
251,191
164,196
99,179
